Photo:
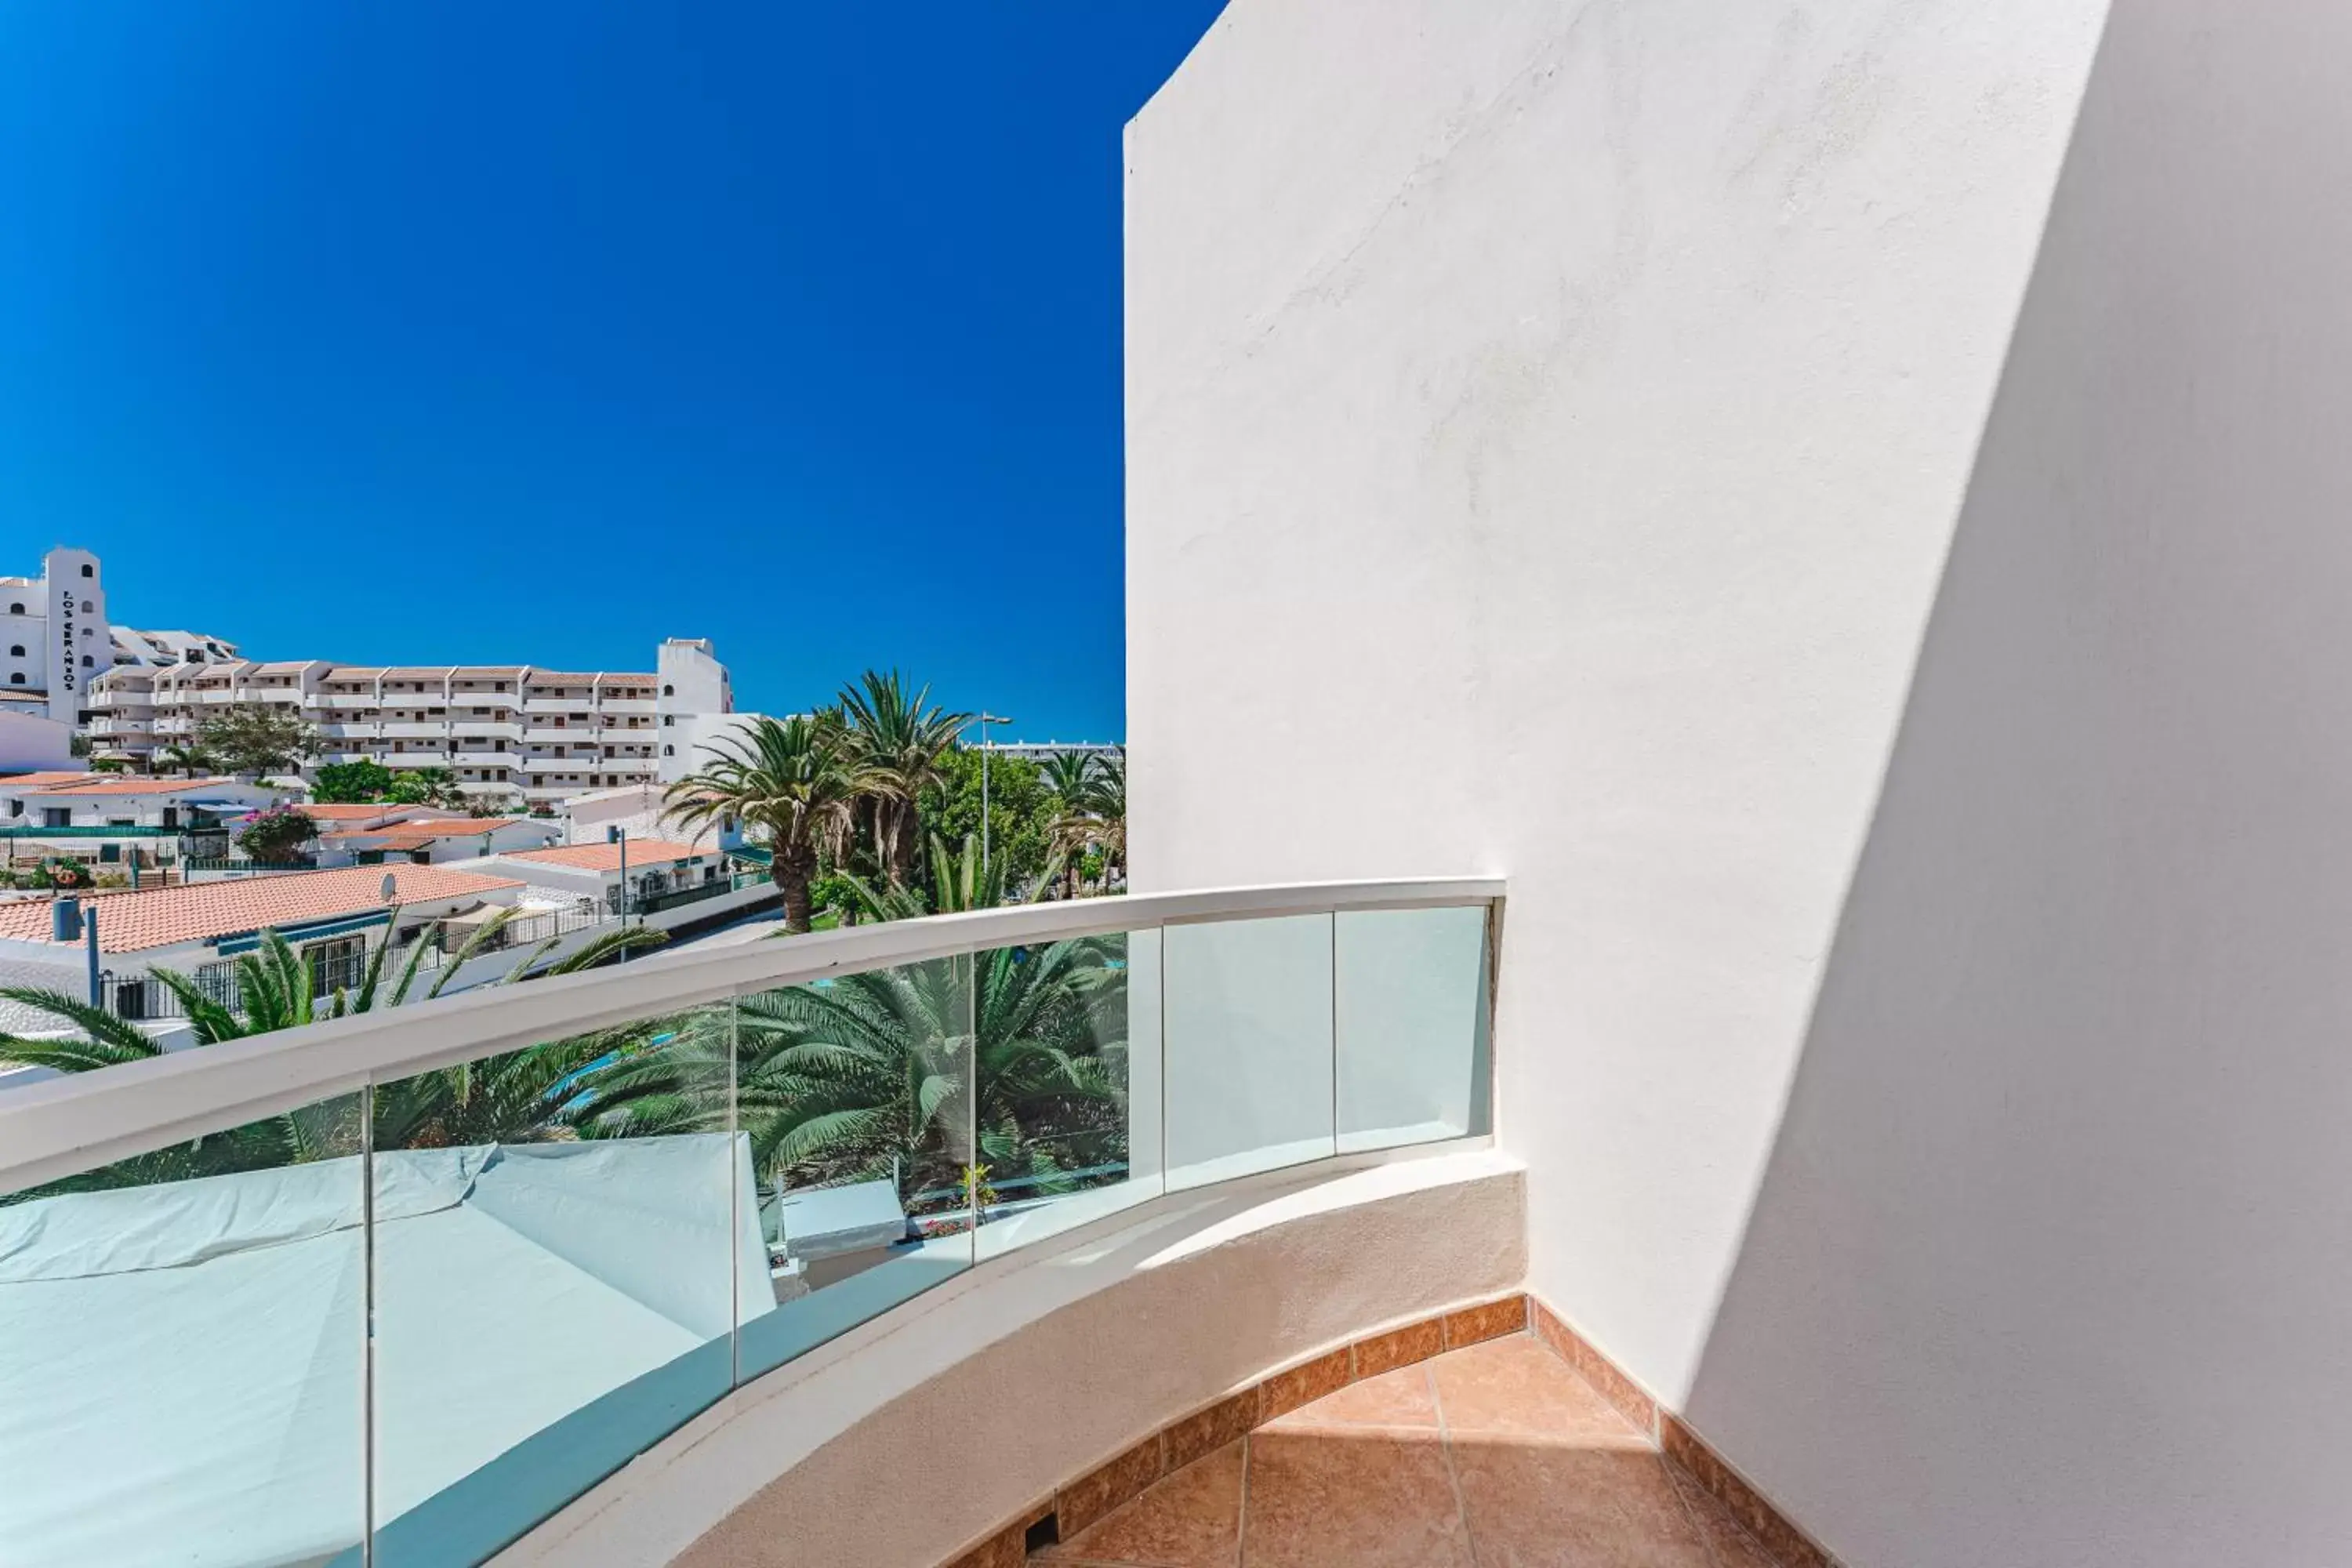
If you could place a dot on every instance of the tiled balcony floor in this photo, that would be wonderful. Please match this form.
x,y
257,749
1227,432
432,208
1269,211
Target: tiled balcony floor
x,y
1495,1456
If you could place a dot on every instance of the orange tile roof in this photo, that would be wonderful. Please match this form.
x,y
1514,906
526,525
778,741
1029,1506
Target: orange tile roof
x,y
160,917
416,834
420,671
41,781
359,813
607,856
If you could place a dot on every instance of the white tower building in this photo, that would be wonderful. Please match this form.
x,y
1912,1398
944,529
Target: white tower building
x,y
54,637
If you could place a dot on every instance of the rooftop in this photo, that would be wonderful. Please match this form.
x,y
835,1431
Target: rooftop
x,y
364,813
417,835
607,856
161,917
78,786
40,780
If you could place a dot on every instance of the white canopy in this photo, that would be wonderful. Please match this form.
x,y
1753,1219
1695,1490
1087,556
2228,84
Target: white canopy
x,y
180,1365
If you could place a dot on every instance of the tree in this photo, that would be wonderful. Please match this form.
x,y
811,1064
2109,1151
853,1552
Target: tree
x,y
867,1074
896,741
788,778
475,1103
277,833
1071,776
182,759
257,738
350,784
1093,820
424,786
1021,811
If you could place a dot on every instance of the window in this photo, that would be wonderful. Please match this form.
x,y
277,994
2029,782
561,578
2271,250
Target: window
x,y
89,571
15,680
87,662
17,650
339,964
669,750
669,691
87,608
668,720
15,609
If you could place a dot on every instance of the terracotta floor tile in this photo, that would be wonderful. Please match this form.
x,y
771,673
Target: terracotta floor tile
x,y
1338,1497
1515,1386
1732,1546
1546,1505
1190,1519
1398,1398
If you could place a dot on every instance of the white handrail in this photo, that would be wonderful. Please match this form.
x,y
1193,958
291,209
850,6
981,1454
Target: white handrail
x,y
78,1122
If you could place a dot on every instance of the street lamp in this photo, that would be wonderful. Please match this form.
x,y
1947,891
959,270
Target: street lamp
x,y
984,720
618,835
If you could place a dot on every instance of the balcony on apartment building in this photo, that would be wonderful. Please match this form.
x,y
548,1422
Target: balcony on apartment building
x,y
1156,1149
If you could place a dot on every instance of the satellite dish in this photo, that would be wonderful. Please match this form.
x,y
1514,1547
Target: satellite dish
x,y
390,891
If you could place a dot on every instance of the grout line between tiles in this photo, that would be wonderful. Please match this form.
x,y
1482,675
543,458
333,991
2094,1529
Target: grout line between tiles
x,y
1445,1450
1690,1509
1241,1516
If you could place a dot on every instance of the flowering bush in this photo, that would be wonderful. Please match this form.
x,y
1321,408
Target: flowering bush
x,y
276,834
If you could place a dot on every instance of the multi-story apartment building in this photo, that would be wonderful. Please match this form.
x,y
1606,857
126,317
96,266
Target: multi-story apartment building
x,y
56,641
504,730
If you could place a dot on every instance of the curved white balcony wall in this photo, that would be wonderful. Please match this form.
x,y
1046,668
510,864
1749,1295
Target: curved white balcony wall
x,y
1846,503
655,1184
1082,1349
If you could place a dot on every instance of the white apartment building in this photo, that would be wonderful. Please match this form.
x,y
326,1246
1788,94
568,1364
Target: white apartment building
x,y
56,641
505,731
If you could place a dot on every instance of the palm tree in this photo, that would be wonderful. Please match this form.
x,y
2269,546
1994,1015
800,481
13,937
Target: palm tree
x,y
473,1102
1070,775
185,759
896,741
1094,809
788,777
275,991
862,1076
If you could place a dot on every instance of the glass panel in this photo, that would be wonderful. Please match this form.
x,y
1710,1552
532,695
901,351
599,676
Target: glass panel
x,y
559,1233
856,1095
1066,1079
180,1353
1411,1014
1248,1042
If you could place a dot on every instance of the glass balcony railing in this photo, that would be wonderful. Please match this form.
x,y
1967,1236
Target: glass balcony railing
x,y
570,1239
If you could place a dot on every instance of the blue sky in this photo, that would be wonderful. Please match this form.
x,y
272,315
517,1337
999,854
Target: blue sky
x,y
473,332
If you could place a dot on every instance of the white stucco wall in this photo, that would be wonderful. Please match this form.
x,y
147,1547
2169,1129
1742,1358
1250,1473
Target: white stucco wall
x,y
1548,424
32,743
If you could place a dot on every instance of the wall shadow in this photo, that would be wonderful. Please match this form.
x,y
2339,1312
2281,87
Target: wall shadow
x,y
2050,1260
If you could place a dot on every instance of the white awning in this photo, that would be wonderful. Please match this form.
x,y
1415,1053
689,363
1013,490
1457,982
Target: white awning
x,y
181,1362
